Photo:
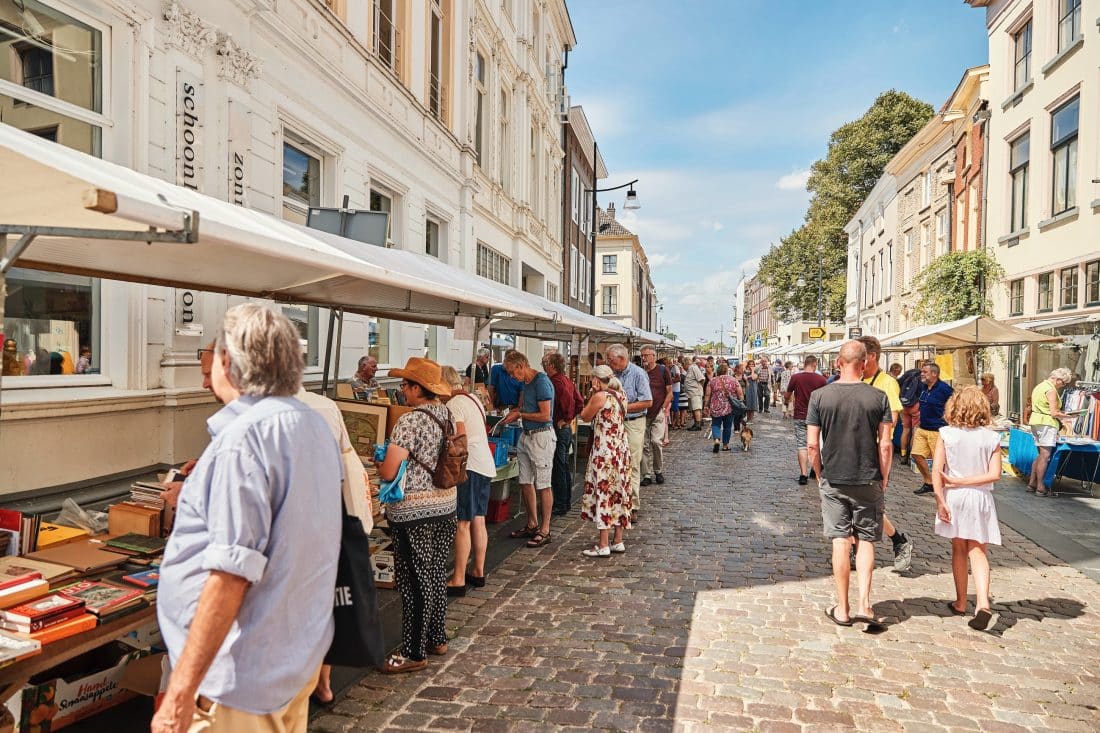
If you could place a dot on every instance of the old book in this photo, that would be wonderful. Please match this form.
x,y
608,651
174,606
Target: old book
x,y
137,543
86,557
124,610
27,627
100,597
145,579
13,576
51,605
50,534
51,572
132,518
23,592
15,648
73,626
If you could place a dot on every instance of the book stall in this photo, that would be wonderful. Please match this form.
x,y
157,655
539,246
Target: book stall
x,y
78,628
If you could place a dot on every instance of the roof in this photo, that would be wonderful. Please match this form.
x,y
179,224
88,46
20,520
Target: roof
x,y
611,227
578,121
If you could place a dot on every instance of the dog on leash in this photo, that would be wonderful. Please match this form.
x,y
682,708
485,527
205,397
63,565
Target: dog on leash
x,y
746,437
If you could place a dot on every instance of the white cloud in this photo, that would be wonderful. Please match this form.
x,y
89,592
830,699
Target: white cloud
x,y
795,181
714,226
659,259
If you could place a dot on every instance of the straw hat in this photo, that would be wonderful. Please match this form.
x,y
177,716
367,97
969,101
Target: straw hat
x,y
426,373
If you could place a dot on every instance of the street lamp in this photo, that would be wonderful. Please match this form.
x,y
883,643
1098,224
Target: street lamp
x,y
630,204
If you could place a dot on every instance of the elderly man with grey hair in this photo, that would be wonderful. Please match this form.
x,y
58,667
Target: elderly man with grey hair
x,y
478,372
656,423
252,558
639,399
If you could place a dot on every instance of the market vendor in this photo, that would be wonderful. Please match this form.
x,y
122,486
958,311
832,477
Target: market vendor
x,y
1047,418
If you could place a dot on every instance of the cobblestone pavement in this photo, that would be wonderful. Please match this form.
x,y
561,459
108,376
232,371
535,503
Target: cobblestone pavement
x,y
714,620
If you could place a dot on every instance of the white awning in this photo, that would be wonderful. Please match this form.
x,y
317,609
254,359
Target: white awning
x,y
974,331
238,250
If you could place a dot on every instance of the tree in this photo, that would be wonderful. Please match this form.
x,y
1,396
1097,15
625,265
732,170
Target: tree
x,y
669,335
954,286
857,155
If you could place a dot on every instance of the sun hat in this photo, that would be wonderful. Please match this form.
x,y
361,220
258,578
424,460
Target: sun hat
x,y
424,372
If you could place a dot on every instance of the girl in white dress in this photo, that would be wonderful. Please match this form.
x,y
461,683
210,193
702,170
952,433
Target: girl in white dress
x,y
966,464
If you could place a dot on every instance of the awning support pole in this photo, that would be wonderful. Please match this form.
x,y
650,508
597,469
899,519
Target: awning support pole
x,y
339,342
188,235
328,351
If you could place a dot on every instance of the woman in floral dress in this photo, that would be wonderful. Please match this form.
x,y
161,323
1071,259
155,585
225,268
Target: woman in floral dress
x,y
607,499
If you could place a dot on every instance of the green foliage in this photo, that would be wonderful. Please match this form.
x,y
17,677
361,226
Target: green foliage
x,y
954,286
669,335
857,155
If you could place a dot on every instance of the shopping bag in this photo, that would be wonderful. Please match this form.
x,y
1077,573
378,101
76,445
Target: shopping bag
x,y
358,639
737,406
391,492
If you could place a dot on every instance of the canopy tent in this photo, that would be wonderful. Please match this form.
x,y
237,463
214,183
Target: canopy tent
x,y
78,207
1061,322
971,332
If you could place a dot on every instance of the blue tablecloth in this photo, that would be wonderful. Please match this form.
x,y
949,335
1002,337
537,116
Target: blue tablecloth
x,y
1079,461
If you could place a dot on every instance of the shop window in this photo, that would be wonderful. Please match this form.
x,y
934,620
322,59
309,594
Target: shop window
x,y
1092,283
1046,292
493,265
1021,41
1019,160
1069,23
1063,148
51,324
1016,298
1069,282
379,343
610,300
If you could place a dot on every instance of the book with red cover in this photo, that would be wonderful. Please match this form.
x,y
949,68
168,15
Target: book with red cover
x,y
73,626
13,576
41,623
51,605
100,598
24,592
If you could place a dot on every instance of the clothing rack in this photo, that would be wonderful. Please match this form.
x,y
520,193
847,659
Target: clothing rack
x,y
1083,396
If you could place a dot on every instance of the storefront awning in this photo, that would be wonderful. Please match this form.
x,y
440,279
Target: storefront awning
x,y
237,250
971,332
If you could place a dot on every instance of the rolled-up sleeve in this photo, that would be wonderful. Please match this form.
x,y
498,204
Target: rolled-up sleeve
x,y
239,516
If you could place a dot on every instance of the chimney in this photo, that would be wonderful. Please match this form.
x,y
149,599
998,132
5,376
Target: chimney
x,y
611,211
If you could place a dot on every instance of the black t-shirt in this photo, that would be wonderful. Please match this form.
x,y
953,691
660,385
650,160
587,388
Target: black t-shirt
x,y
849,415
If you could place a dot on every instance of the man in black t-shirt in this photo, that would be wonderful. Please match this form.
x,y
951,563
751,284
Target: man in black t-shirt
x,y
854,423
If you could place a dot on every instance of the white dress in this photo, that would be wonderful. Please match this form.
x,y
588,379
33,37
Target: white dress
x,y
973,513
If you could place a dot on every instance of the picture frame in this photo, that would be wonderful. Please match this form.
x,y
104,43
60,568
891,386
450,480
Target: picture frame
x,y
366,424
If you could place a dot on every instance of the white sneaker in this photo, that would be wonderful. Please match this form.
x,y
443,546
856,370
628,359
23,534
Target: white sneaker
x,y
597,552
619,547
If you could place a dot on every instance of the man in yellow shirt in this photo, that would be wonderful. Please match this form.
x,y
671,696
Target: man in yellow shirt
x,y
883,381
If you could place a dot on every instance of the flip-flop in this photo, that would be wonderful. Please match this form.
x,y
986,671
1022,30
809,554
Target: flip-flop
x,y
831,615
954,611
525,532
872,625
981,619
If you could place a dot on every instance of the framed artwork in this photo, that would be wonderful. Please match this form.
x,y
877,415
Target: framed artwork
x,y
366,424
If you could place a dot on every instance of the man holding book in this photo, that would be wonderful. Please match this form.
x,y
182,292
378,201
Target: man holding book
x,y
246,621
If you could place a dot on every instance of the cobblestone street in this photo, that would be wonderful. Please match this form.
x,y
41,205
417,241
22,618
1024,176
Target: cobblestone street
x,y
714,619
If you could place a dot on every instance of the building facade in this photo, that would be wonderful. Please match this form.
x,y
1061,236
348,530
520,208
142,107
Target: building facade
x,y
967,111
1043,197
872,302
584,166
443,114
761,326
623,282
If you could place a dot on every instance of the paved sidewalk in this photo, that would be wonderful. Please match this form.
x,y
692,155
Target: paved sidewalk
x,y
714,620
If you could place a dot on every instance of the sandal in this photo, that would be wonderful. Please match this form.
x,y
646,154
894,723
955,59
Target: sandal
x,y
539,539
954,611
873,625
981,619
525,532
1043,492
831,614
397,664
439,649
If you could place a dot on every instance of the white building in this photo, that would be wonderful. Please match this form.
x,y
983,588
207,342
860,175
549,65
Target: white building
x,y
441,113
623,283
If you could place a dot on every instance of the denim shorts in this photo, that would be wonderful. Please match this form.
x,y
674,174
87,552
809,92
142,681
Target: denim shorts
x,y
473,497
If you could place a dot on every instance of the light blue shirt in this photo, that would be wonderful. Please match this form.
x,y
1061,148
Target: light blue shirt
x,y
635,386
262,503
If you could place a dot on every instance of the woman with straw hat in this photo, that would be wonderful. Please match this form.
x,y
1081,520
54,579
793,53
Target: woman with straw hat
x,y
423,523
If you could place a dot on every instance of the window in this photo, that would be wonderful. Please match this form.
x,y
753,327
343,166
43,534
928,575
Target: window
x,y
890,269
942,229
1063,146
533,171
301,180
909,242
574,272
1019,154
435,61
1069,23
493,265
380,201
582,284
552,292
479,113
575,188
1046,295
610,299
1016,298
505,143
1022,42
385,33
925,242
1092,283
36,67
431,238
926,190
610,263
1069,281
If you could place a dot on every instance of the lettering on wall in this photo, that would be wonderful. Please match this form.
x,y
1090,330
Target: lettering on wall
x,y
240,146
189,128
185,315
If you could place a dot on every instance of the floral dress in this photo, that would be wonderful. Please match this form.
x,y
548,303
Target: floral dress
x,y
607,500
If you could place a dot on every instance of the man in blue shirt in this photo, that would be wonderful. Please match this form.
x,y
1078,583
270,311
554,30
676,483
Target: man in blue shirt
x,y
536,446
639,398
933,400
503,389
245,605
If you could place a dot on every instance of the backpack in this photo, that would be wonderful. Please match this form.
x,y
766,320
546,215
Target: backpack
x,y
450,464
910,388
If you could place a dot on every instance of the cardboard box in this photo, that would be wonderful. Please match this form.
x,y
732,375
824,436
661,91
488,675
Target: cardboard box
x,y
383,564
52,704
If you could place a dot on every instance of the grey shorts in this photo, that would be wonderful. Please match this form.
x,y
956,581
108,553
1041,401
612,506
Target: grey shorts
x,y
800,434
1046,436
848,511
536,458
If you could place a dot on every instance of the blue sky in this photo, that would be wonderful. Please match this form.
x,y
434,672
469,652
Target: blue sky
x,y
720,106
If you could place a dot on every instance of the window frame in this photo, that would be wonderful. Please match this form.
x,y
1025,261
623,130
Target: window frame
x,y
1092,283
1068,10
1023,170
1067,145
1016,297
609,300
377,14
493,265
1026,33
1048,292
1069,286
613,261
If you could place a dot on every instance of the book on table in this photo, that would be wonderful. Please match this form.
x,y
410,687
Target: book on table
x,y
24,592
15,648
13,575
50,534
16,566
86,556
137,544
99,597
146,579
65,629
38,614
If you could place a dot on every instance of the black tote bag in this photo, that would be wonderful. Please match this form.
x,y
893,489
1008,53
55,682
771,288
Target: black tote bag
x,y
358,639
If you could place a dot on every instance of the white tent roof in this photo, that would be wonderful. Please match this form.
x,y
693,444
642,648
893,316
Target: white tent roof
x,y
966,332
238,250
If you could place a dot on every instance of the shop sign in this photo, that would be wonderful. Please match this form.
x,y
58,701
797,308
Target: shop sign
x,y
189,125
240,144
855,332
185,315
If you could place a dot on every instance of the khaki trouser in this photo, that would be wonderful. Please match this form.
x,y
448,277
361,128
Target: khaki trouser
x,y
635,438
654,449
210,717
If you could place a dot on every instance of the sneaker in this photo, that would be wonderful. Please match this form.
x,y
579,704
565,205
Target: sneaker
x,y
659,478
597,551
618,547
903,556
813,473
924,489
905,460
647,481
802,481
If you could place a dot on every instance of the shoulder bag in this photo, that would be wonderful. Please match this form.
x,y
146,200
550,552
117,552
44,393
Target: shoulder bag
x,y
357,641
450,463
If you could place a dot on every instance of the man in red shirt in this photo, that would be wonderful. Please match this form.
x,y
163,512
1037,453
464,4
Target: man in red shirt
x,y
567,404
801,386
660,384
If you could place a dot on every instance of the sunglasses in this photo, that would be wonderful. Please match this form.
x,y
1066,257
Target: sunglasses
x,y
405,384
200,352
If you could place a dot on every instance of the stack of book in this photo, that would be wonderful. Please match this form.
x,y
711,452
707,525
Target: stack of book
x,y
15,648
49,618
106,601
21,531
137,546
